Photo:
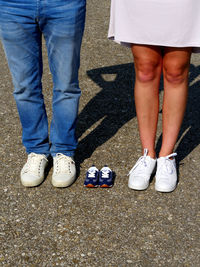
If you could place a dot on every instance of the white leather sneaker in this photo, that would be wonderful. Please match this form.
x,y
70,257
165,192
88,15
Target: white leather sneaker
x,y
32,174
141,172
166,175
64,171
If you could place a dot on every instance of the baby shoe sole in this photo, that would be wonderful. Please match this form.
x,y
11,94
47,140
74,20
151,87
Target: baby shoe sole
x,y
105,186
91,186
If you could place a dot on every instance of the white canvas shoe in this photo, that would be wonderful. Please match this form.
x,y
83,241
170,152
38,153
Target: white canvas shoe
x,y
64,171
141,172
32,174
166,175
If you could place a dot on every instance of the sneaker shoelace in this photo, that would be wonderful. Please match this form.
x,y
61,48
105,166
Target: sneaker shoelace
x,y
91,172
63,163
167,165
140,163
105,172
34,162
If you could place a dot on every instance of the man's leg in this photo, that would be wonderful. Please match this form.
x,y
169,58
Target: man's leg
x,y
21,39
63,28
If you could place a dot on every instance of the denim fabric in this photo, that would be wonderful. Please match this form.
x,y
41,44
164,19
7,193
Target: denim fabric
x,y
61,22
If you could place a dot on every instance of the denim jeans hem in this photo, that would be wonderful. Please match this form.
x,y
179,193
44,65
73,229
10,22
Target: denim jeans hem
x,y
46,154
67,153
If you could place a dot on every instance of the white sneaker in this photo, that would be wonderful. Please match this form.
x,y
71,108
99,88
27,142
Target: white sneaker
x,y
64,171
140,174
32,174
166,175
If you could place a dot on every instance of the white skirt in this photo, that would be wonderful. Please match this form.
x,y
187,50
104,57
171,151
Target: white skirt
x,y
174,23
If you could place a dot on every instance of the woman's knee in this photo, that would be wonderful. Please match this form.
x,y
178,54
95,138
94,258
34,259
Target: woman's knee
x,y
175,73
148,62
147,70
176,64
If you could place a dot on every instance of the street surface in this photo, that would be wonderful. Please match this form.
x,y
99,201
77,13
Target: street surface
x,y
75,226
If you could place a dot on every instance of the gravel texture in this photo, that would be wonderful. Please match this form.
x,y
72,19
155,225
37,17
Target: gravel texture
x,y
75,226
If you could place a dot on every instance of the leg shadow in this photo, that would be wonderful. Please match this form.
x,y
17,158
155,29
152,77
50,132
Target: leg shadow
x,y
113,105
190,132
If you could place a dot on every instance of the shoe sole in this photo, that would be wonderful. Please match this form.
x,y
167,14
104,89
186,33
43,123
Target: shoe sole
x,y
63,184
137,188
31,184
91,186
164,190
105,186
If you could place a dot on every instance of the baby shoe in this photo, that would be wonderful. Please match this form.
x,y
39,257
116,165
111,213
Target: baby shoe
x,y
106,177
92,176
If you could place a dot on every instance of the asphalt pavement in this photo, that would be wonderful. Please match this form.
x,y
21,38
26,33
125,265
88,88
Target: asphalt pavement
x,y
75,226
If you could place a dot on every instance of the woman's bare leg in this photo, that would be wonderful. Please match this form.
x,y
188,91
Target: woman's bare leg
x,y
148,66
175,71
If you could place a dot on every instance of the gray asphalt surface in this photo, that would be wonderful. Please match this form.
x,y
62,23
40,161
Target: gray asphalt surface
x,y
45,226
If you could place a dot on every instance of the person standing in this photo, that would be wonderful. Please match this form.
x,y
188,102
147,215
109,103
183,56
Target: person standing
x,y
61,23
162,35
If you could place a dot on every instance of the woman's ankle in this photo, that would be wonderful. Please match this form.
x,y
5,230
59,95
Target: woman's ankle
x,y
151,153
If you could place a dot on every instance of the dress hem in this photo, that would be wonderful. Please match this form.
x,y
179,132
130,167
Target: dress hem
x,y
128,43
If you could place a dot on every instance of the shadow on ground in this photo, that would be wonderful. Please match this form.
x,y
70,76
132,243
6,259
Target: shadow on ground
x,y
112,107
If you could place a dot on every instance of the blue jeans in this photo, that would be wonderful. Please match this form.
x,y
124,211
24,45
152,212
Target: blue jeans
x,y
61,22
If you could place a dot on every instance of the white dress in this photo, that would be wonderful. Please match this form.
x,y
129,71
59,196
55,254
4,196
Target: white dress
x,y
174,23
